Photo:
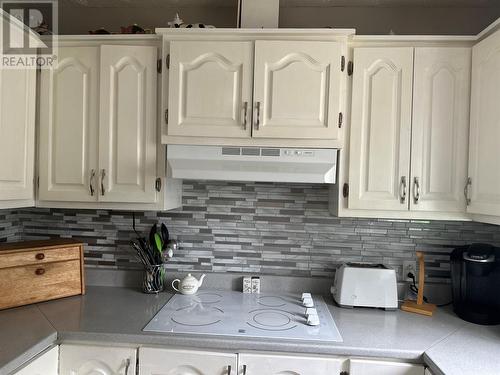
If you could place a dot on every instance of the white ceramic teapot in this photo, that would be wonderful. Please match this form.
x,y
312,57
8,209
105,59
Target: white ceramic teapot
x,y
188,285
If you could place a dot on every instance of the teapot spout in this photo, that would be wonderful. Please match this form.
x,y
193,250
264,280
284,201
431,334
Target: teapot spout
x,y
201,280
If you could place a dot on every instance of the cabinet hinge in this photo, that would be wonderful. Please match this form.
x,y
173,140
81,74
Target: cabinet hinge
x,y
158,66
350,68
342,63
158,184
345,190
167,61
341,119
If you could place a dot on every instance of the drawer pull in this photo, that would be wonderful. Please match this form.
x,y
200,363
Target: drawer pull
x,y
40,271
40,256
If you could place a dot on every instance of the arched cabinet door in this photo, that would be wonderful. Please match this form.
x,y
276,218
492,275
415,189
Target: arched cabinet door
x,y
379,159
96,360
440,129
297,88
17,133
69,121
484,170
156,361
289,365
210,89
127,130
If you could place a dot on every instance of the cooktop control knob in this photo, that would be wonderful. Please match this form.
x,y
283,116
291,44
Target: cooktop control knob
x,y
313,320
311,311
308,302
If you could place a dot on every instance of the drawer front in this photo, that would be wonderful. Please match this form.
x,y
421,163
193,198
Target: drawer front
x,y
39,256
36,283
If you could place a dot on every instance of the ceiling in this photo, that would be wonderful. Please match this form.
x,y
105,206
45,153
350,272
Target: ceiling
x,y
283,3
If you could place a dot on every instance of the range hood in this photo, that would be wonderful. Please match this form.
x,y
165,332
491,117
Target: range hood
x,y
265,164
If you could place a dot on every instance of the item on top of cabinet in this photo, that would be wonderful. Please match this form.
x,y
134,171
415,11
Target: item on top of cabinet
x,y
247,284
100,31
177,23
133,29
188,285
475,280
419,306
255,284
37,271
365,285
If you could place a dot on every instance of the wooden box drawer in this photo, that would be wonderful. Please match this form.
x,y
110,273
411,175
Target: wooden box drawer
x,y
39,271
39,256
36,283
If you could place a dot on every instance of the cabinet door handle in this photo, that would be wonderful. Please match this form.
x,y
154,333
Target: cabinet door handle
x,y
229,370
257,117
244,370
402,190
103,175
166,116
39,271
245,113
468,183
40,256
416,190
127,366
91,184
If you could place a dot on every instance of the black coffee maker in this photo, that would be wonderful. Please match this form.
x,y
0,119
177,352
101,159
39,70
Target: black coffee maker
x,y
475,279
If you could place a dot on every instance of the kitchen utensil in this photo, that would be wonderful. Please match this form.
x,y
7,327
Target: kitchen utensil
x,y
188,285
419,307
158,242
164,233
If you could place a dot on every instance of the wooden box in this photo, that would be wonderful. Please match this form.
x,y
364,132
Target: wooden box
x,y
37,271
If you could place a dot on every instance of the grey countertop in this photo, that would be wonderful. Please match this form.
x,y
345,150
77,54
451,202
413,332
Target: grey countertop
x,y
118,315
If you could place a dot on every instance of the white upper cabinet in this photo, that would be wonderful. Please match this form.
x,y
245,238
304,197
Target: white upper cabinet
x,y
287,364
127,128
440,128
484,154
210,88
69,126
254,87
17,136
98,129
379,169
297,88
156,361
98,360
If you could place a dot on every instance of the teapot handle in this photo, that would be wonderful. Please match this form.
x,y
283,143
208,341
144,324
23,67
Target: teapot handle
x,y
173,286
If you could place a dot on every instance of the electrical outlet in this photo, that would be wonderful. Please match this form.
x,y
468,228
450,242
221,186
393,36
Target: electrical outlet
x,y
409,266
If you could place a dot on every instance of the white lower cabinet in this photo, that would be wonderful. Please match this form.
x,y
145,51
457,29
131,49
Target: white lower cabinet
x,y
96,360
46,364
157,361
374,367
270,364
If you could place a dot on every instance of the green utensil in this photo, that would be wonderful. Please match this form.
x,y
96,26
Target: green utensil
x,y
158,242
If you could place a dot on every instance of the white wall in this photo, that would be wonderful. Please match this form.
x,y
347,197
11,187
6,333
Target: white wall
x,y
80,16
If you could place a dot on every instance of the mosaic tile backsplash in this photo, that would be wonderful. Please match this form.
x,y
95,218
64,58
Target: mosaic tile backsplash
x,y
259,228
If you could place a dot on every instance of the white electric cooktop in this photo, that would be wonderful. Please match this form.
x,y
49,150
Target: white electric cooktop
x,y
228,313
